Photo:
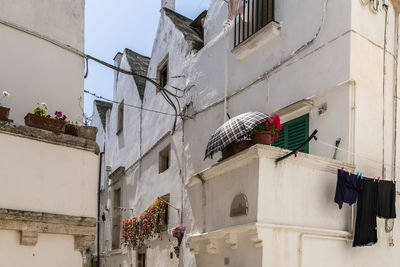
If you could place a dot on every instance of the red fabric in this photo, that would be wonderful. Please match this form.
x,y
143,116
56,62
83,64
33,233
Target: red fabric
x,y
234,8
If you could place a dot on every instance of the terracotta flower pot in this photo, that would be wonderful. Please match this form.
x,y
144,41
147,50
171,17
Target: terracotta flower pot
x,y
263,138
228,152
242,145
71,129
44,123
88,132
4,113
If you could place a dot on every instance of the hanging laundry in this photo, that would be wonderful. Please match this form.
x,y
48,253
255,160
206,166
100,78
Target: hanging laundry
x,y
234,8
386,200
365,230
347,188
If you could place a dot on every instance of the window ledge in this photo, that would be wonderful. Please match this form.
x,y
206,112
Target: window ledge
x,y
258,40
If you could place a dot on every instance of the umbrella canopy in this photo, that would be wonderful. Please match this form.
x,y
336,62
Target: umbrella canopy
x,y
232,130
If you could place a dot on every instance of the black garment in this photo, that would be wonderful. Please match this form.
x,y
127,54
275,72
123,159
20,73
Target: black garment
x,y
347,188
365,230
386,200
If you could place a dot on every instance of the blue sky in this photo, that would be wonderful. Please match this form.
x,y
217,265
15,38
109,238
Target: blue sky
x,y
112,25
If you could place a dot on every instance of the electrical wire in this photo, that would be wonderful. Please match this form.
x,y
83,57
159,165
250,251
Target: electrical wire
x,y
132,106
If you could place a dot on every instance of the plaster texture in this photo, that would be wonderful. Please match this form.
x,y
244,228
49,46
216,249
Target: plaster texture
x,y
327,52
49,181
34,70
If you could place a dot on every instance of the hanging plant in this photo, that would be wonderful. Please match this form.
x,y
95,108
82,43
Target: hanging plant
x,y
147,225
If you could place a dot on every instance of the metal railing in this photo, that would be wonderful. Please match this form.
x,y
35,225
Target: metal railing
x,y
255,15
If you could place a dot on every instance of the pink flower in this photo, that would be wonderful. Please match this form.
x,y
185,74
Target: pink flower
x,y
276,136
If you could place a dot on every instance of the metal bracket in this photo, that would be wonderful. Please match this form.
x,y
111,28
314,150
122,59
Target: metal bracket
x,y
294,152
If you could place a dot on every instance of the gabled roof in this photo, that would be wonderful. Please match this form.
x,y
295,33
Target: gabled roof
x,y
192,34
139,64
102,108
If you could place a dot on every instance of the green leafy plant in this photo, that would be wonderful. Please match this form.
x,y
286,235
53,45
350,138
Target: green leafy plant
x,y
41,109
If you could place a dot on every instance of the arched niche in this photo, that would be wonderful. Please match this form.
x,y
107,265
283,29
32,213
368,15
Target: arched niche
x,y
239,206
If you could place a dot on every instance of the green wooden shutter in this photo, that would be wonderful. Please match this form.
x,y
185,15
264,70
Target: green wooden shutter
x,y
293,134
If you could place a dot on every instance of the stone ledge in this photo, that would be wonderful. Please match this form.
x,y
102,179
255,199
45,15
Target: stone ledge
x,y
48,136
30,224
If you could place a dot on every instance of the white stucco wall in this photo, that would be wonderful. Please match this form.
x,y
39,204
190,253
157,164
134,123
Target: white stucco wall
x,y
327,52
42,177
51,250
34,70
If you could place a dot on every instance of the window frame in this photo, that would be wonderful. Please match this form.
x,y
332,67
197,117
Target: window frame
x,y
164,153
285,134
163,65
120,115
116,220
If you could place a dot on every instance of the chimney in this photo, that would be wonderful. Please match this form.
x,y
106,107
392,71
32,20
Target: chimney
x,y
170,4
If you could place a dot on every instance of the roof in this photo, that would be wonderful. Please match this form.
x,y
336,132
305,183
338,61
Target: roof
x,y
102,108
192,34
139,64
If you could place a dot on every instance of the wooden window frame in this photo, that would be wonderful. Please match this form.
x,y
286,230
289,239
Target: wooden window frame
x,y
164,154
286,125
121,111
116,218
164,65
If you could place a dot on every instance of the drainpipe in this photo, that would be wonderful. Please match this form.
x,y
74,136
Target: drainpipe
x,y
394,133
226,76
98,209
385,7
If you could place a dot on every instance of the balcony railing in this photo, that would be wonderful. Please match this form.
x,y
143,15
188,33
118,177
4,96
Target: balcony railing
x,y
255,15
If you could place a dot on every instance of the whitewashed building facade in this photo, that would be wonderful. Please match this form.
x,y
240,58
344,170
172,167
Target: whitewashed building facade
x,y
325,65
48,196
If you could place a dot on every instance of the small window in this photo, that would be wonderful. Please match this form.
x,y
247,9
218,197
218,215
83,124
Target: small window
x,y
164,159
163,72
116,220
165,222
293,134
120,117
141,258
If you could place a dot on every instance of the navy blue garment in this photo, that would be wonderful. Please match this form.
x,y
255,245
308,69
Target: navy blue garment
x,y
347,188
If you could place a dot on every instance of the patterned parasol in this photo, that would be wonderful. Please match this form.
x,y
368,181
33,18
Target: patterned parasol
x,y
232,130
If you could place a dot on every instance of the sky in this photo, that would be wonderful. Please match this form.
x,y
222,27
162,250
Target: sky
x,y
113,25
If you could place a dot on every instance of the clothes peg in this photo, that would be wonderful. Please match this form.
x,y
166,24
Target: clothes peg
x,y
374,179
361,176
358,175
379,179
342,169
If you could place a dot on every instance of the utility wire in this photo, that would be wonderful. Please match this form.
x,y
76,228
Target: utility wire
x,y
132,106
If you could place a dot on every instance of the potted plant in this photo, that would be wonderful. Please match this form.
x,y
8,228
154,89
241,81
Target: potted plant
x,y
242,144
86,131
72,128
266,132
229,150
4,112
178,232
40,119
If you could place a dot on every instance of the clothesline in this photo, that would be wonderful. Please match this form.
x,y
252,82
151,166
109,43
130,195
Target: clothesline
x,y
359,155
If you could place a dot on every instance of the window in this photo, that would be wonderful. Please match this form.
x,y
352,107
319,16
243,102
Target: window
x,y
255,15
120,117
141,258
166,218
293,134
163,72
164,159
116,220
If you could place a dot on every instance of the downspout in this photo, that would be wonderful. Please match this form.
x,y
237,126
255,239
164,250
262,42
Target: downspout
x,y
385,7
98,208
226,76
394,134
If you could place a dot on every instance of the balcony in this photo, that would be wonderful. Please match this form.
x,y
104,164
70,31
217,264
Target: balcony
x,y
255,15
279,206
